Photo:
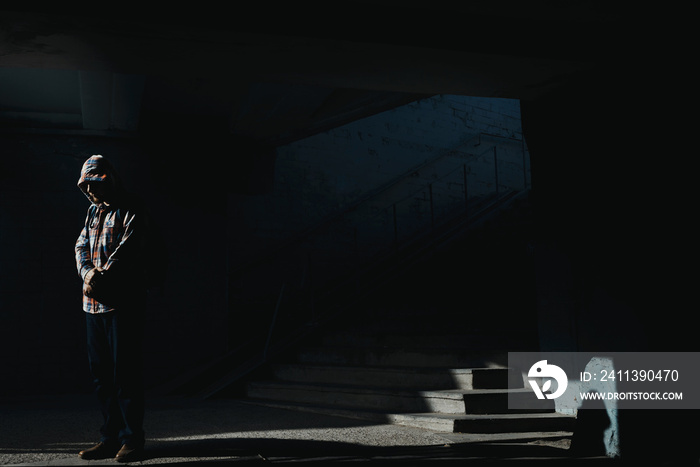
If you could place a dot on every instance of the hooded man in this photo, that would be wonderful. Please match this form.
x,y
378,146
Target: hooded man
x,y
110,255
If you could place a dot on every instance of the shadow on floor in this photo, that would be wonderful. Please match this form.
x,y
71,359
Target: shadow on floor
x,y
243,451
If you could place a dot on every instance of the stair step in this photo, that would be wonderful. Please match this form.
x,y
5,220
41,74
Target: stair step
x,y
408,339
359,398
401,377
402,357
499,423
489,426
454,401
496,401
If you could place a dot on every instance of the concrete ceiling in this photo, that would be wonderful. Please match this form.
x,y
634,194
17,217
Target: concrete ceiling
x,y
275,73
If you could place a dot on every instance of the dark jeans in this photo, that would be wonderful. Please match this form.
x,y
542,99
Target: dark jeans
x,y
114,342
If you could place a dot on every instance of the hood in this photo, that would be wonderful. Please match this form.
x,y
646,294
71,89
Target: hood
x,y
98,169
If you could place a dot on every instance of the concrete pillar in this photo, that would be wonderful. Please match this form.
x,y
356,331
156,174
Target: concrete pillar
x,y
605,167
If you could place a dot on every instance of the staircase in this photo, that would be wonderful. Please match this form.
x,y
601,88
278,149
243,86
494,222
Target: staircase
x,y
404,373
429,348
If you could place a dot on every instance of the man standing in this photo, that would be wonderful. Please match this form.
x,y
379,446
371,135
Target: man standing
x,y
110,256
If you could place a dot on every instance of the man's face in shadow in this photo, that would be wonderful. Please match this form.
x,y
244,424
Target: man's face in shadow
x,y
99,192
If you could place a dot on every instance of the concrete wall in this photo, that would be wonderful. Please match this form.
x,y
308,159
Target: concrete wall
x,y
612,193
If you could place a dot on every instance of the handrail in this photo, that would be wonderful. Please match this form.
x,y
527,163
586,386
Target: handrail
x,y
457,168
300,236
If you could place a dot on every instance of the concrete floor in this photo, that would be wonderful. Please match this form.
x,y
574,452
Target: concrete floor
x,y
181,431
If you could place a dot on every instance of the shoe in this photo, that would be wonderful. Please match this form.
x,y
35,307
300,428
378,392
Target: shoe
x,y
99,451
128,453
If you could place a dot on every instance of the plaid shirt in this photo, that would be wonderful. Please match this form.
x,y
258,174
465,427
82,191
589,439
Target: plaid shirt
x,y
106,238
